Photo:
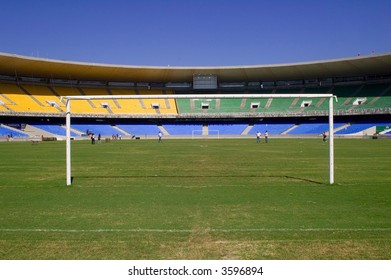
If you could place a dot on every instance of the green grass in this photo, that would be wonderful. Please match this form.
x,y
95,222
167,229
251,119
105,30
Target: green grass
x,y
196,199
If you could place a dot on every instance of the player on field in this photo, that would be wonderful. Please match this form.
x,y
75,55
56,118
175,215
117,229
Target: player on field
x,y
258,134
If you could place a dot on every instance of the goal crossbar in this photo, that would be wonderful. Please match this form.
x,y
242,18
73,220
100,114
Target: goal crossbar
x,y
330,96
199,96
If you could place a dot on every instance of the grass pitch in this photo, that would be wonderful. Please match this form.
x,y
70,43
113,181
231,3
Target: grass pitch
x,y
196,199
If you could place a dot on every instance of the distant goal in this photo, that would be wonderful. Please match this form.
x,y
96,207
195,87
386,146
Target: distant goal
x,y
328,96
210,133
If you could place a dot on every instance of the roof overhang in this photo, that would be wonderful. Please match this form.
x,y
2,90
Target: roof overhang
x,y
25,66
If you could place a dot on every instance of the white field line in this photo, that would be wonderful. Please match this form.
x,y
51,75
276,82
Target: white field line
x,y
140,230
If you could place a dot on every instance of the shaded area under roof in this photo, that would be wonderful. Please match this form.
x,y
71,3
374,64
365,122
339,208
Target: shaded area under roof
x,y
24,66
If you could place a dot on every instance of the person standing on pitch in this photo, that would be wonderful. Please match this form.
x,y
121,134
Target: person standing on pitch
x,y
160,136
266,136
324,136
258,136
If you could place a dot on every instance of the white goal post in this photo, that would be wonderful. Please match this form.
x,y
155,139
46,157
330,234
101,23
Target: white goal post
x,y
330,96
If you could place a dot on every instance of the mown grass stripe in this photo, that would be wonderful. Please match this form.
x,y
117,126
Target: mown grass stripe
x,y
139,230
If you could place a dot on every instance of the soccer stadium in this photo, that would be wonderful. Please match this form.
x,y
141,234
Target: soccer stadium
x,y
33,104
209,189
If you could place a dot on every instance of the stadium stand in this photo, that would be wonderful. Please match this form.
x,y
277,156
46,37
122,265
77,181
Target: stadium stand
x,y
36,96
103,106
184,128
224,128
103,129
45,97
78,106
125,106
271,128
139,129
11,133
312,128
19,101
54,129
360,127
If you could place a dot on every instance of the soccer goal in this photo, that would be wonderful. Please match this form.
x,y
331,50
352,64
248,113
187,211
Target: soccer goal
x,y
211,133
330,97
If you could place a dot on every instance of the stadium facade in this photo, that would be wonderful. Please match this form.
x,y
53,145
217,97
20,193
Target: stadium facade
x,y
32,103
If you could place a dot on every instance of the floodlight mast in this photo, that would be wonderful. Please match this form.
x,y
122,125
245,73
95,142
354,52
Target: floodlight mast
x,y
201,96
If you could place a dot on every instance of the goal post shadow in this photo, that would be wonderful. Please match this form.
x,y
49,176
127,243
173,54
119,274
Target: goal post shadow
x,y
158,177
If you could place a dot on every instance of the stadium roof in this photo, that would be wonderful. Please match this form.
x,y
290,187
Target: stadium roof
x,y
25,66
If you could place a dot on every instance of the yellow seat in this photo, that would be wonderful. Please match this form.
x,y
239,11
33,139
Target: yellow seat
x,y
18,101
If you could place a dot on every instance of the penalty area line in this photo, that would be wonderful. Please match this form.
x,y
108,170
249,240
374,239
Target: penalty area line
x,y
232,230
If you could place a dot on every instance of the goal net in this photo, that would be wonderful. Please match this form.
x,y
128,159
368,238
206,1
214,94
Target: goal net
x,y
210,133
326,96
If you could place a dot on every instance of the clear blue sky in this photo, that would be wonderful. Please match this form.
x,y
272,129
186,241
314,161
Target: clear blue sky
x,y
195,32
